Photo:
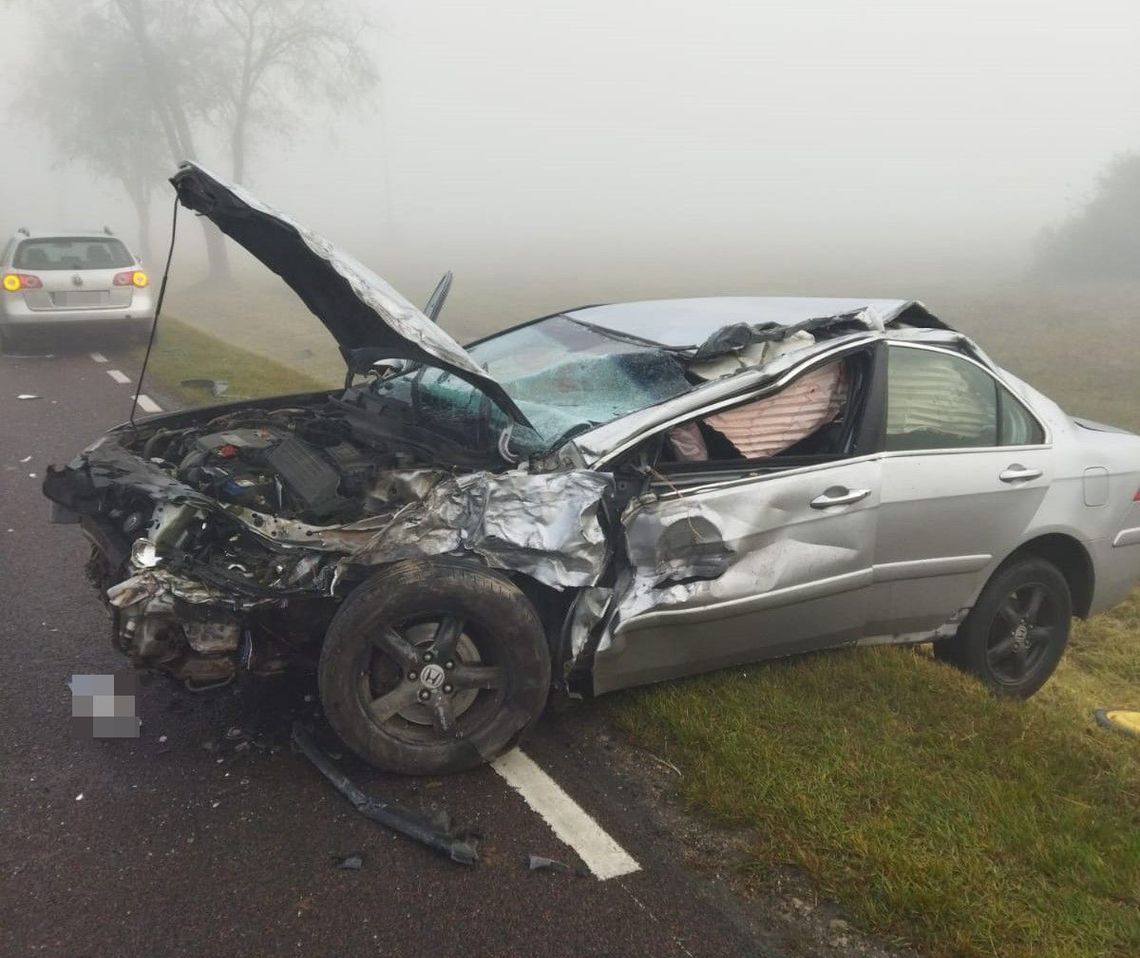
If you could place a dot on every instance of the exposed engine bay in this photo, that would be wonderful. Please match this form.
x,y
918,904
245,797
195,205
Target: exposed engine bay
x,y
306,464
224,539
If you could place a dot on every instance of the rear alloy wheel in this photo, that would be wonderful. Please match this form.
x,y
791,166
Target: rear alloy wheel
x,y
434,666
1016,633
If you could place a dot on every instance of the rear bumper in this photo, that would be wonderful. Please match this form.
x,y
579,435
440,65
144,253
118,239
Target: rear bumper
x,y
15,314
1117,564
76,319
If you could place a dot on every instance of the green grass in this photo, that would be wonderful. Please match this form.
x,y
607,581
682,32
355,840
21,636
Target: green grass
x,y
932,811
182,351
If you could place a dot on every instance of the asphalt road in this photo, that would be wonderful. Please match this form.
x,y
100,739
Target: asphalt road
x,y
186,842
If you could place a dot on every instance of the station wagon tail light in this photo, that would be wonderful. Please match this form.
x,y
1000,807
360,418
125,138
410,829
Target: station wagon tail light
x,y
131,278
14,282
1136,498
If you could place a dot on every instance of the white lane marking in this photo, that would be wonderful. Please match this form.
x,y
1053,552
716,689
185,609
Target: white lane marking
x,y
148,404
602,855
99,357
118,376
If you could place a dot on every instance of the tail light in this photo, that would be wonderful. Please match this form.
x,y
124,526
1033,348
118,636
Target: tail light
x,y
131,278
1136,498
14,282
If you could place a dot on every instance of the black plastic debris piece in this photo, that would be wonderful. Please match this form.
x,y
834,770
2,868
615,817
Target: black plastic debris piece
x,y
400,819
352,862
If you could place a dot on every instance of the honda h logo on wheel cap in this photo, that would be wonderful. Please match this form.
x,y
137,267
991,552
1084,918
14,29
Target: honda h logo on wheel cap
x,y
431,677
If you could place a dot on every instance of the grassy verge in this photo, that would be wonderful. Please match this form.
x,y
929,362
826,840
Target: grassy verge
x,y
935,813
182,351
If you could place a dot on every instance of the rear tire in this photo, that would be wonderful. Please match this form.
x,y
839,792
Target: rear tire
x,y
434,666
1017,631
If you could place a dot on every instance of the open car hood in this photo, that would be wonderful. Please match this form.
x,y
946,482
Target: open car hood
x,y
358,307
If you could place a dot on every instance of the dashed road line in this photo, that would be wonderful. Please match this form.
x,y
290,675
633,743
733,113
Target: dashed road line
x,y
98,357
602,855
119,377
148,404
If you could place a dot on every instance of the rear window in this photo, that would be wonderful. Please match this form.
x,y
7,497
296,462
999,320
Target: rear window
x,y
63,252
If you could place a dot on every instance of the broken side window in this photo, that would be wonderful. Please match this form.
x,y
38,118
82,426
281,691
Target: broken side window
x,y
806,417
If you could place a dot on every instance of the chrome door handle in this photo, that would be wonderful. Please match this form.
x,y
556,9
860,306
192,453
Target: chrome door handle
x,y
1019,473
839,496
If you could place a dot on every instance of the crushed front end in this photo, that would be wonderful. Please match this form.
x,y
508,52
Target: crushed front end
x,y
225,539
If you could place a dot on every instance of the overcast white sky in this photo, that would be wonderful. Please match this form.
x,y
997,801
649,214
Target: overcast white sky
x,y
584,134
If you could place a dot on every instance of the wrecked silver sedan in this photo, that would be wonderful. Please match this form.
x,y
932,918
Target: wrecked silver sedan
x,y
602,498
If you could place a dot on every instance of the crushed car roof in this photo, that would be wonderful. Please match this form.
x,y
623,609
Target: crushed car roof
x,y
687,323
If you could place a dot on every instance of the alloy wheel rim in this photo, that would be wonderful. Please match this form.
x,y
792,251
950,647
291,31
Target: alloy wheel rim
x,y
1021,632
426,680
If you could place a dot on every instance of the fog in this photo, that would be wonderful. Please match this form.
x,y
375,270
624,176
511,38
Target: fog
x,y
707,147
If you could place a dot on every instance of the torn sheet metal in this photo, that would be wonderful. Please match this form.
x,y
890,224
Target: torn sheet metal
x,y
543,525
743,555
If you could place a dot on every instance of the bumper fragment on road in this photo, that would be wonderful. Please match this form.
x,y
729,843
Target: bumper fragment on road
x,y
400,819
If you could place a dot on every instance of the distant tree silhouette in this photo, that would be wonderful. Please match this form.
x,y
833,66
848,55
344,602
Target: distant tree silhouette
x,y
1102,240
127,88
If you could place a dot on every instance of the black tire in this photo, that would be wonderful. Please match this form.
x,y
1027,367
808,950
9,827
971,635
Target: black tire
x,y
1017,631
476,649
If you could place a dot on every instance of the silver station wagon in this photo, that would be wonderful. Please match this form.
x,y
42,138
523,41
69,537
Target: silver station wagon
x,y
601,498
55,282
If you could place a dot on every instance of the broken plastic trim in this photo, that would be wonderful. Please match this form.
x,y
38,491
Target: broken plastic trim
x,y
389,814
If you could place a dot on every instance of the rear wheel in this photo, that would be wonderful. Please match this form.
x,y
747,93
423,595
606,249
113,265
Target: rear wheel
x,y
434,666
1017,631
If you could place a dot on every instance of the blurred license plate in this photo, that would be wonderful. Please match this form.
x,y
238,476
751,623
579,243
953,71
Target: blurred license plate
x,y
79,298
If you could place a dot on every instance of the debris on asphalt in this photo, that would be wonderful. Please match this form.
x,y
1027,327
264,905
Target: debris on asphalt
x,y
537,863
400,819
28,396
26,459
79,797
353,862
217,387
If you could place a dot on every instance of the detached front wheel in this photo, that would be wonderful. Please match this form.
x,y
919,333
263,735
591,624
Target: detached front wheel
x,y
434,666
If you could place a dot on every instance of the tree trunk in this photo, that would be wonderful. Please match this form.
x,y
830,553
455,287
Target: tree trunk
x,y
146,250
217,253
175,124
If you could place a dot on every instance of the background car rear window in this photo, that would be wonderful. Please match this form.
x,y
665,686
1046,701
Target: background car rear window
x,y
72,253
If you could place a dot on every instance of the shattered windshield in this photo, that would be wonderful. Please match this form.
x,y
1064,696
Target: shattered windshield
x,y
565,376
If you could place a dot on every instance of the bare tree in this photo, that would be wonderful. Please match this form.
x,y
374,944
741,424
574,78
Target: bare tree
x,y
93,117
176,89
284,52
164,76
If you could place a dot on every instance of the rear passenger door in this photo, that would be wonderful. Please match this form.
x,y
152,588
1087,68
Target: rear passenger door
x,y
964,470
